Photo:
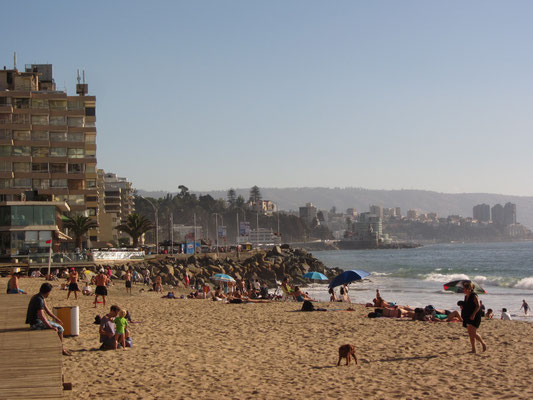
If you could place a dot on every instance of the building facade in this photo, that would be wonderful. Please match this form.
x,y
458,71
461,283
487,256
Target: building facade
x,y
47,141
481,212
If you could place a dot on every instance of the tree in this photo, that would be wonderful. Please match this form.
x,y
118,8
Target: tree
x,y
255,195
135,225
79,225
232,198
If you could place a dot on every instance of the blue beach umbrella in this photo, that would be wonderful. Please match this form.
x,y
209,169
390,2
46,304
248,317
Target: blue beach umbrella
x,y
348,276
315,275
223,278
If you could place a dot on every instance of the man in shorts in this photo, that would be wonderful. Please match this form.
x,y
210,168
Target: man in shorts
x,y
36,314
128,278
73,283
101,287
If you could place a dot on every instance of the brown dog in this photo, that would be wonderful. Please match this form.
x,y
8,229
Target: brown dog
x,y
347,351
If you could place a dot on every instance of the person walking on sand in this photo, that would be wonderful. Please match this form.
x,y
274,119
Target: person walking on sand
x,y
101,287
471,315
73,283
128,278
525,306
36,314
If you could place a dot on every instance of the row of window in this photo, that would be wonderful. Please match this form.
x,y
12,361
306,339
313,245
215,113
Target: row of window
x,y
48,104
89,138
71,168
34,151
27,183
77,122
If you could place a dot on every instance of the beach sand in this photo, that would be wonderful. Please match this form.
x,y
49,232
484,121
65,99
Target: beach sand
x,y
185,349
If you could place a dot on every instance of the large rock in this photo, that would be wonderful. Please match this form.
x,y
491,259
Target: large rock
x,y
277,251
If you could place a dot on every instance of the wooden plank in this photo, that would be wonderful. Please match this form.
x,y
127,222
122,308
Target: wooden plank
x,y
33,369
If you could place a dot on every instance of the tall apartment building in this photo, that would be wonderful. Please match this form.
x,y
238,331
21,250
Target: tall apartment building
x,y
497,215
481,212
115,203
377,210
308,213
47,141
509,214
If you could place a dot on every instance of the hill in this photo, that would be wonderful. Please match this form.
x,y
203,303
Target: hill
x,y
443,204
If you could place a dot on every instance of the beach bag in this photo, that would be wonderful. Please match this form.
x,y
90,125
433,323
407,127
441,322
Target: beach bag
x,y
308,306
97,320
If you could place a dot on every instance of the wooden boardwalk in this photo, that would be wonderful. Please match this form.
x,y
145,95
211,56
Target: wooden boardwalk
x,y
31,366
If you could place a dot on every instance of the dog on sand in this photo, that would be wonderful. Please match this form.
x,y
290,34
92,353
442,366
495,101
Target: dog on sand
x,y
347,351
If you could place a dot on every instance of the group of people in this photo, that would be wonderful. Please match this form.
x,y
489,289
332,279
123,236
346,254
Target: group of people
x,y
294,292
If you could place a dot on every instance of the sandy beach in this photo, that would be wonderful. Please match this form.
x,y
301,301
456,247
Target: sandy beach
x,y
184,349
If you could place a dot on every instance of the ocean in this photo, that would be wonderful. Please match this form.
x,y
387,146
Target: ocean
x,y
416,276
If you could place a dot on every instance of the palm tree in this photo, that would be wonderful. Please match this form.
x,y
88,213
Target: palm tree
x,y
79,225
135,225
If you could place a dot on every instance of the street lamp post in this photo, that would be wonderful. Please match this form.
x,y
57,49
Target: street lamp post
x,y
156,212
216,230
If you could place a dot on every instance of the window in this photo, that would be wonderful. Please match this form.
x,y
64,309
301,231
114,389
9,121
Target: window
x,y
39,135
5,118
58,168
5,183
75,168
90,183
21,183
58,120
76,153
75,122
90,138
76,199
92,198
90,111
92,211
58,104
21,135
21,103
58,136
5,101
5,151
58,183
39,167
75,105
90,124
39,151
21,167
39,119
60,197
90,153
39,103
5,166
21,118
44,215
40,183
75,137
5,133
21,150
93,238
90,168
58,152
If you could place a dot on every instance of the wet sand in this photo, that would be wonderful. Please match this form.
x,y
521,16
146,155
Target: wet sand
x,y
201,349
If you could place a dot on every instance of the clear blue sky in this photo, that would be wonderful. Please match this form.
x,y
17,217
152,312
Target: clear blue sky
x,y
430,95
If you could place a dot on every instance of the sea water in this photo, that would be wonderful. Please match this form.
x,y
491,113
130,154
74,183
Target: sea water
x,y
416,276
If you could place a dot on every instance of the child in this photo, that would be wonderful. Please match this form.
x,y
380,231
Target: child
x,y
87,289
120,329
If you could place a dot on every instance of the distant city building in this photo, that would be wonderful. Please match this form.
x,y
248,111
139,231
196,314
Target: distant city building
x,y
412,214
509,214
352,212
377,210
308,213
266,207
497,215
260,237
398,211
368,227
481,212
185,233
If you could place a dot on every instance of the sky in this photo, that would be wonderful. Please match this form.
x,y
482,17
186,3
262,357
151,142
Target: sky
x,y
432,95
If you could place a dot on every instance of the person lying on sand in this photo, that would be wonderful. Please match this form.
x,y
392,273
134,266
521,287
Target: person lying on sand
x,y
218,294
238,298
195,295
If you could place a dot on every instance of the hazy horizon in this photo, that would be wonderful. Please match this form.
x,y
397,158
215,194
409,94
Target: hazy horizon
x,y
416,95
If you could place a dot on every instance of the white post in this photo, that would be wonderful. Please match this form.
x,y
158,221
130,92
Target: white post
x,y
49,259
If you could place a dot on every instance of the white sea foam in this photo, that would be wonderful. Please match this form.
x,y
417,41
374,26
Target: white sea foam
x,y
380,273
525,283
445,277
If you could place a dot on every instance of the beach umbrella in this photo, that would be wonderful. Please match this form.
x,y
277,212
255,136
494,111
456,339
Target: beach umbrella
x,y
348,276
223,278
315,275
457,286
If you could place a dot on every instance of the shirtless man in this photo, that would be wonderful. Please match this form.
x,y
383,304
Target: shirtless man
x,y
158,286
13,284
128,277
73,283
101,281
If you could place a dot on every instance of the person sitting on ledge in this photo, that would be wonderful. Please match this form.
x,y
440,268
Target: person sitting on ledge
x,y
13,284
36,314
